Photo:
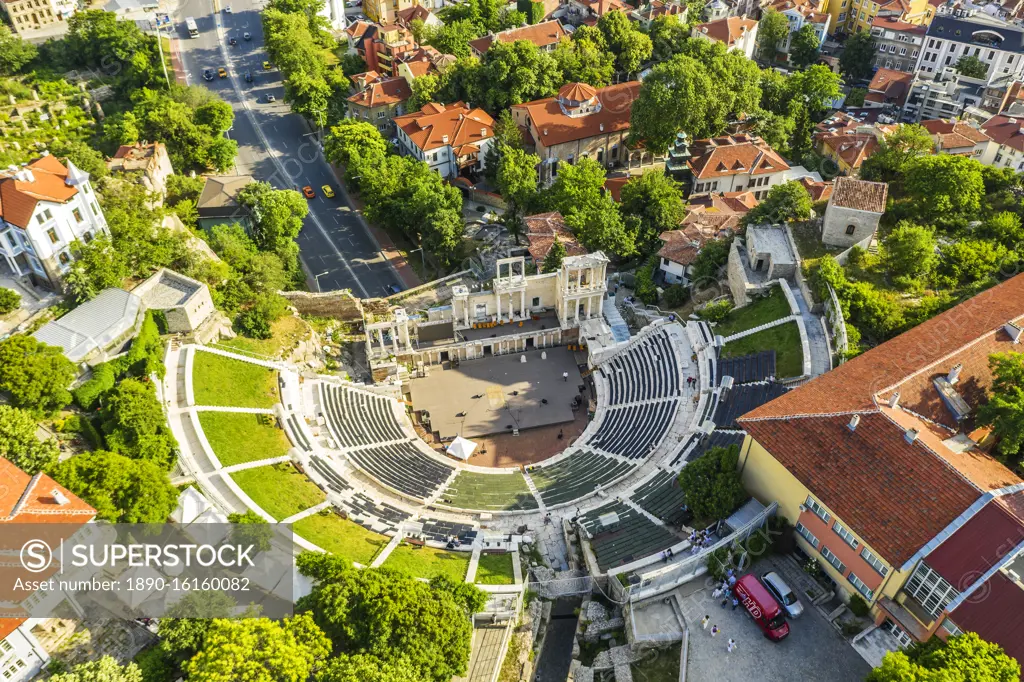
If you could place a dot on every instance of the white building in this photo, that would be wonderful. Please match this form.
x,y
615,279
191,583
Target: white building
x,y
737,33
46,207
799,13
734,164
961,33
1007,135
449,138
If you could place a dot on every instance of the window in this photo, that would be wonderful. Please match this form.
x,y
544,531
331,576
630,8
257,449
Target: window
x,y
64,258
892,49
47,214
842,16
5,646
930,590
807,535
536,302
78,215
861,587
833,559
881,48
817,509
950,627
87,237
843,532
95,210
52,234
40,219
903,52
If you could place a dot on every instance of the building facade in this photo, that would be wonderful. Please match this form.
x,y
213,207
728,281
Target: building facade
x,y
899,43
378,101
30,16
800,13
733,164
47,208
968,33
452,139
853,211
736,33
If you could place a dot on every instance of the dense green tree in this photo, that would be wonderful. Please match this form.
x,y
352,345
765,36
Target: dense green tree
x,y
803,49
553,261
260,650
452,38
276,215
1004,410
801,141
182,187
15,53
82,155
368,668
578,194
350,142
971,260
944,186
10,300
424,91
656,202
98,265
817,87
317,23
117,49
899,147
777,131
105,669
710,259
35,375
582,61
908,251
1005,227
184,627
856,97
351,64
736,78
251,529
964,658
135,426
784,203
631,47
775,91
517,184
676,95
120,489
668,35
262,311
517,72
711,484
506,136
19,444
772,30
858,58
392,616
644,288
972,67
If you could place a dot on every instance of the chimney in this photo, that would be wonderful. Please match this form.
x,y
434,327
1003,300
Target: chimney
x,y
601,127
911,435
954,374
854,420
894,400
60,497
483,132
444,139
1014,331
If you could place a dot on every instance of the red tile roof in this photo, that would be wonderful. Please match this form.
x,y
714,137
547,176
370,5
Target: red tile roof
x,y
615,185
428,128
543,229
982,542
30,499
728,30
717,214
859,195
996,613
381,92
18,198
894,24
892,86
554,126
954,134
819,191
9,625
853,149
1008,130
732,155
542,35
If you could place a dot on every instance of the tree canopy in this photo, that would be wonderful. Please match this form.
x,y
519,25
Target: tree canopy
x,y
909,250
578,194
276,214
858,58
803,50
784,203
105,669
711,484
772,31
1004,410
19,444
964,658
135,426
35,375
655,203
120,489
896,150
15,53
971,66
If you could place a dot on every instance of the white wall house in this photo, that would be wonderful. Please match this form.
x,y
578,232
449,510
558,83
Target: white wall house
x,y
21,655
961,33
46,208
450,139
800,13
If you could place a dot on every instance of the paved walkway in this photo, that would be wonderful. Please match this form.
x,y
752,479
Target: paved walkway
x,y
821,358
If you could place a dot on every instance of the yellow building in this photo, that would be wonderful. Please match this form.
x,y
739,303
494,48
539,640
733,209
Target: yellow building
x,y
850,16
874,467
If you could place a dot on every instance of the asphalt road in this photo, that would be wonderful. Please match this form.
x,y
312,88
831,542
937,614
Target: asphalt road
x,y
273,145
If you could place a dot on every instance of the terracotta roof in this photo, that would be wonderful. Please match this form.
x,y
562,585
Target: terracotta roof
x,y
405,17
554,126
30,499
894,86
717,214
852,149
897,495
1006,130
978,545
543,229
577,92
382,92
894,24
420,67
806,8
819,191
357,29
727,30
615,185
679,247
9,625
602,7
731,155
997,615
542,35
954,134
656,8
860,195
18,197
429,127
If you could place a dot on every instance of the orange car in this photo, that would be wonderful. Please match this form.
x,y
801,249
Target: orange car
x,y
308,192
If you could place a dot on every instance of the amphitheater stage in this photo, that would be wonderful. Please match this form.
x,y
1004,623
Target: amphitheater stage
x,y
494,395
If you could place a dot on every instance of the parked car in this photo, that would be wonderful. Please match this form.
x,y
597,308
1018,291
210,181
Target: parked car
x,y
271,98
247,36
232,41
328,191
308,192
208,74
267,66
227,10
222,72
248,77
762,607
785,596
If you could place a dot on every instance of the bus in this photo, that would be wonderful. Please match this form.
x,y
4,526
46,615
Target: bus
x,y
193,30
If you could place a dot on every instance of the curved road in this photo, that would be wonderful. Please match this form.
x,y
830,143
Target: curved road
x,y
273,145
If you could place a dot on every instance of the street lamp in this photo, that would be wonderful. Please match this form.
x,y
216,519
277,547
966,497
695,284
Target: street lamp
x,y
316,279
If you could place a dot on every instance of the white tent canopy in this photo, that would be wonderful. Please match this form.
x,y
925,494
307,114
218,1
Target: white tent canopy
x,y
461,448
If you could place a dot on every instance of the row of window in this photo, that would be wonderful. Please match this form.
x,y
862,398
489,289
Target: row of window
x,y
835,561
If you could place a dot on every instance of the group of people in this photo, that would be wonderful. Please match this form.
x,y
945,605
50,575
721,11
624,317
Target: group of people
x,y
691,382
698,539
730,646
725,590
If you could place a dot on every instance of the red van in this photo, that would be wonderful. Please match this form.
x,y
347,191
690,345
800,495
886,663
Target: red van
x,y
765,611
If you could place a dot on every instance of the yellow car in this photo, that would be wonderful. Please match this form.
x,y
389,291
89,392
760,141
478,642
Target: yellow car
x,y
328,191
267,66
222,72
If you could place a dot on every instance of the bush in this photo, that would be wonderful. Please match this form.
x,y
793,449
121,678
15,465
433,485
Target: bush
x,y
676,295
255,321
145,357
858,606
10,300
643,285
87,396
716,311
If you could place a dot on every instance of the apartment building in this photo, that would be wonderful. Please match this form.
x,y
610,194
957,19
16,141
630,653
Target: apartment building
x,y
887,481
957,33
46,208
452,139
899,43
383,48
850,16
800,13
737,33
735,163
544,35
962,138
379,100
1007,135
42,17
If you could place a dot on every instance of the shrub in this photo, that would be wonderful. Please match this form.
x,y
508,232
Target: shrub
x,y
716,312
256,320
10,300
676,295
858,606
146,354
103,377
643,285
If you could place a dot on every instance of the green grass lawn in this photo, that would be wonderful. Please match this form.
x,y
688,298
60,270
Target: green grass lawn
x,y
767,309
218,380
785,339
495,569
238,437
809,244
279,489
340,536
286,333
426,562
494,492
659,665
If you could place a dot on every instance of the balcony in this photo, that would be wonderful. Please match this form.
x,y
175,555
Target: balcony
x,y
909,616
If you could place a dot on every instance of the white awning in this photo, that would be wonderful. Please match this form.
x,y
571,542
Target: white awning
x,y
461,448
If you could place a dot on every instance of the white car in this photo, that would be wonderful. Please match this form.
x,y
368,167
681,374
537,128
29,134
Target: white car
x,y
227,10
778,588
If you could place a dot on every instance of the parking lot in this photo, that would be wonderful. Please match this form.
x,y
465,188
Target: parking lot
x,y
812,651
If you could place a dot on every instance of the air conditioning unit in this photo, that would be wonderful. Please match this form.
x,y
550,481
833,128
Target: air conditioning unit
x,y
803,507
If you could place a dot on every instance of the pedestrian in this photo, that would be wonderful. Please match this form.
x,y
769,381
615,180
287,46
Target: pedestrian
x,y
717,593
565,377
714,630
704,622
735,603
731,646
559,434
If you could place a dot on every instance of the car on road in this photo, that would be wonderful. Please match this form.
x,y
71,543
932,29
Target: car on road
x,y
248,77
778,588
308,192
227,10
222,72
393,289
232,41
208,74
247,36
267,66
271,98
328,191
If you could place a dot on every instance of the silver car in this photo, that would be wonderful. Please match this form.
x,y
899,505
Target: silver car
x,y
782,594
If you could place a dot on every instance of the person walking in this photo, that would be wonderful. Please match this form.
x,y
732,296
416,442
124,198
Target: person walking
x,y
704,622
714,630
731,646
565,376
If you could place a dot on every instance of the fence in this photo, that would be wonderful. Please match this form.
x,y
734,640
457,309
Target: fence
x,y
562,587
837,324
674,575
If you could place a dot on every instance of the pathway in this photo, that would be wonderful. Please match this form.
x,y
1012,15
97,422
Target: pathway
x,y
821,358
